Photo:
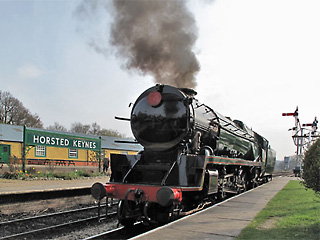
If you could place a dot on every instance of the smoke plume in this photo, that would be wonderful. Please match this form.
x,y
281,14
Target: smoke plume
x,y
156,38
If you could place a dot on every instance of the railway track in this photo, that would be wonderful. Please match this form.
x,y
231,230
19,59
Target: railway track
x,y
283,174
139,228
60,222
37,226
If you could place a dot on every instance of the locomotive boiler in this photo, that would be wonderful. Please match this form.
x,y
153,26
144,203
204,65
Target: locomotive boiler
x,y
192,155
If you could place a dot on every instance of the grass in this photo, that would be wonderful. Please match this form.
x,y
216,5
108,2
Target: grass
x,y
293,213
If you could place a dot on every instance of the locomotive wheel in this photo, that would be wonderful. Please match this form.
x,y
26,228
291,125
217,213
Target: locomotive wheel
x,y
244,183
250,185
127,222
253,184
221,195
156,214
175,213
125,212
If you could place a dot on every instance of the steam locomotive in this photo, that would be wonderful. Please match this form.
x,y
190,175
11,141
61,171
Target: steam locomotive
x,y
192,155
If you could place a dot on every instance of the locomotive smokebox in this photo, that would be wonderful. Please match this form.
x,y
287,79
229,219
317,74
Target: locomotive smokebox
x,y
160,117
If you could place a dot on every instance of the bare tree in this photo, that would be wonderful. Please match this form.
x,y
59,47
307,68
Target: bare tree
x,y
78,127
13,112
33,120
111,133
57,127
95,129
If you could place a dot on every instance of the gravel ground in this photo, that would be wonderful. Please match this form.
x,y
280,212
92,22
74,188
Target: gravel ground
x,y
79,231
29,209
88,231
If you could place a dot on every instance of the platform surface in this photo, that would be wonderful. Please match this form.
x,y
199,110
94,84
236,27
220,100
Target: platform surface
x,y
223,221
22,186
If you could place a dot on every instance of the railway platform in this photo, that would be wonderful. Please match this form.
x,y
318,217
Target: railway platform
x,y
8,186
223,221
18,196
18,186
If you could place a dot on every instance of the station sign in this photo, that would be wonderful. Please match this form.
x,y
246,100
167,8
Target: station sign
x,y
35,137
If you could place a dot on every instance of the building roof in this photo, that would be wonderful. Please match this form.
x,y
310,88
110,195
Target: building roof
x,y
11,133
15,134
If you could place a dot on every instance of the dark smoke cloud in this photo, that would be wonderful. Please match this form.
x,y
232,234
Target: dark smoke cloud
x,y
154,37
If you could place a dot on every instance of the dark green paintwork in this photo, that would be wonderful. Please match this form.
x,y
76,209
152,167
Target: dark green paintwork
x,y
231,161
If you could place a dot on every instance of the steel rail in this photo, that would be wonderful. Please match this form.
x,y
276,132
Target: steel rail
x,y
46,215
54,227
52,214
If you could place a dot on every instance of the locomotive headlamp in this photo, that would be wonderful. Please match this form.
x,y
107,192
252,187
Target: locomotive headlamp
x,y
166,196
154,98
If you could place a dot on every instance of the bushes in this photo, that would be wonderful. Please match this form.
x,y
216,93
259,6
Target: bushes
x,y
71,175
311,168
16,175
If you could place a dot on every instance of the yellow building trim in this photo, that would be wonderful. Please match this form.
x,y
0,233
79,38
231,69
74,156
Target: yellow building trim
x,y
107,152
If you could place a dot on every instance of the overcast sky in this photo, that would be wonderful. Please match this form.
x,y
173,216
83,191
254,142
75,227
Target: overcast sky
x,y
257,59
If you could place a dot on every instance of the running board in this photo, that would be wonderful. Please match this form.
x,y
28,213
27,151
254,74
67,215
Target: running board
x,y
231,161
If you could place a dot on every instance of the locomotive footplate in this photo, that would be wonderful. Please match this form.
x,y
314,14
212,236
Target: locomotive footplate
x,y
217,160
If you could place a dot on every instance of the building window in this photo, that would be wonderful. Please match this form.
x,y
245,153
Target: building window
x,y
73,153
40,151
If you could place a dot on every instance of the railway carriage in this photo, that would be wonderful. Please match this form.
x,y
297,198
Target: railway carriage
x,y
192,155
